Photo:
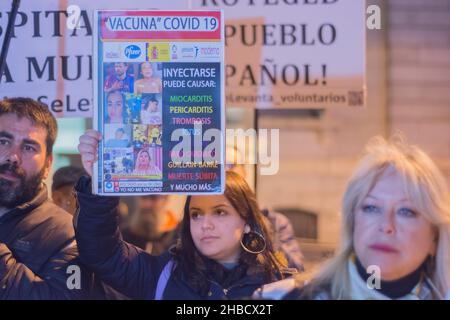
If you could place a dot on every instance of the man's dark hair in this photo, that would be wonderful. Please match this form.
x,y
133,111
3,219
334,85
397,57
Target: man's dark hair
x,y
68,175
35,111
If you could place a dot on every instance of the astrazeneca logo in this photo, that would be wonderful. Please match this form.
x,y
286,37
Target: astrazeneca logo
x,y
132,51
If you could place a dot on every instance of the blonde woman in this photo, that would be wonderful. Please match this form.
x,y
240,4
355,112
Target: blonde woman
x,y
395,230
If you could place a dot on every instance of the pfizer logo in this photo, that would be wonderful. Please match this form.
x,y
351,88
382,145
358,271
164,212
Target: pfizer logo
x,y
132,51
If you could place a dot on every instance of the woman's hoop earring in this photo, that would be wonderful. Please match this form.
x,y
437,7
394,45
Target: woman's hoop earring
x,y
258,235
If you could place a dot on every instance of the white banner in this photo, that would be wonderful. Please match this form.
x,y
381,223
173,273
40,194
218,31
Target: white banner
x,y
279,53
50,56
293,53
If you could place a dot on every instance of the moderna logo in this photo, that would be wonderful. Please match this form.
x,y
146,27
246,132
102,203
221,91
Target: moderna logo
x,y
196,51
132,51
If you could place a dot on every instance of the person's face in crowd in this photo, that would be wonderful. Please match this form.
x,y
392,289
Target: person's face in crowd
x,y
64,198
23,160
389,232
120,69
150,215
152,202
115,107
144,159
147,224
216,228
146,70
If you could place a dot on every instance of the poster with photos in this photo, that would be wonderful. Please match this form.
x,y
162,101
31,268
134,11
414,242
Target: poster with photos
x,y
159,102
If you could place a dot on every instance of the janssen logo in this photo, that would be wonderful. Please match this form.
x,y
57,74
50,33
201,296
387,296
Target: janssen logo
x,y
132,51
187,52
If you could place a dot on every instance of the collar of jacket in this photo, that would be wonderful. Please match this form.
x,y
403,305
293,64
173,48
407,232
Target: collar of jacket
x,y
242,281
26,207
254,280
360,291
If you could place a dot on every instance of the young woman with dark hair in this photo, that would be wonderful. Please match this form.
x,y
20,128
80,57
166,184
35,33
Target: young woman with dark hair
x,y
224,251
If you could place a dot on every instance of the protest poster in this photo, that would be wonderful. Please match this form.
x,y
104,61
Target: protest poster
x,y
159,102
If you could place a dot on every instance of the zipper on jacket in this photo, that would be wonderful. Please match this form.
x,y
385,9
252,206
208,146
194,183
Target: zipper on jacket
x,y
226,290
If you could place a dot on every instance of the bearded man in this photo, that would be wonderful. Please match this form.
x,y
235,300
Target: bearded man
x,y
38,253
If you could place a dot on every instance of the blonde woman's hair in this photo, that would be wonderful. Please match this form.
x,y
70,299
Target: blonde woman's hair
x,y
427,190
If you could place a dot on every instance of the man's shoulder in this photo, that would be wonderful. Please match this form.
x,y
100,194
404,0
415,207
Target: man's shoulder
x,y
52,210
50,216
41,233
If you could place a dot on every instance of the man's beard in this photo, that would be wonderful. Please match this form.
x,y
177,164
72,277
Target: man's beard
x,y
25,190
